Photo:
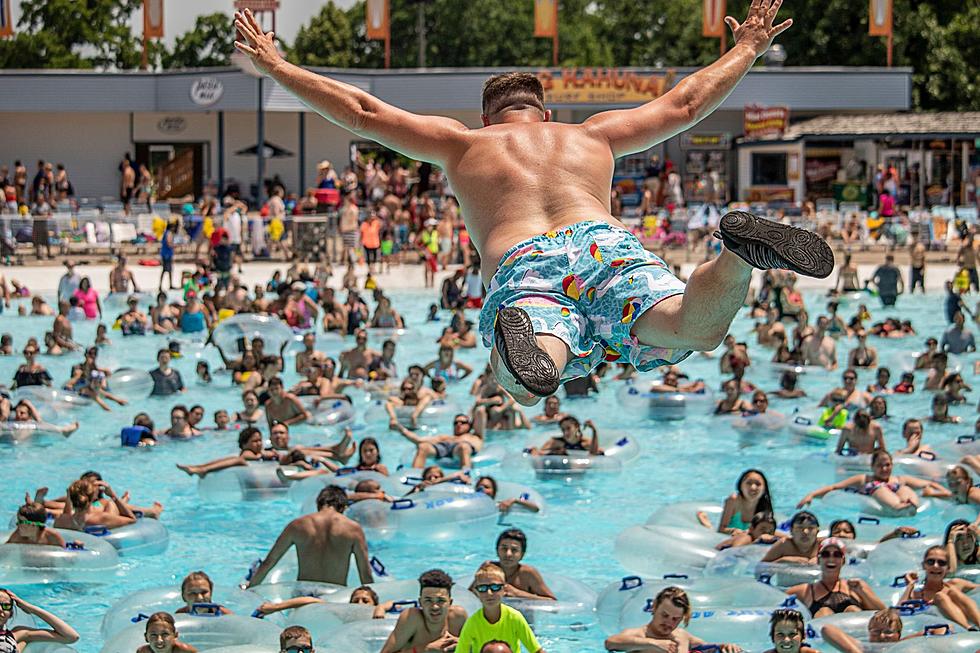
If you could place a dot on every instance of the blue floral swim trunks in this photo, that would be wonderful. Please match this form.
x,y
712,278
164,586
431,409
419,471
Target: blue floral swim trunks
x,y
587,284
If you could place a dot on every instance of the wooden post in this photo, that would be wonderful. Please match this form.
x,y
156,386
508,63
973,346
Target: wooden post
x,y
889,49
554,39
144,62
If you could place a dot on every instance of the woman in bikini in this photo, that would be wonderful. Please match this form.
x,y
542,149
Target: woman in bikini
x,y
948,596
831,594
895,493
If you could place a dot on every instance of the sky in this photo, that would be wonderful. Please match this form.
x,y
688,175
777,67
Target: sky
x,y
179,15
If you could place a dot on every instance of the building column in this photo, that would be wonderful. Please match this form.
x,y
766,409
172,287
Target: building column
x,y
221,153
302,155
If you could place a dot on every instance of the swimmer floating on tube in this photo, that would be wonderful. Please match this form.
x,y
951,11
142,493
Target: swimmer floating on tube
x,y
567,285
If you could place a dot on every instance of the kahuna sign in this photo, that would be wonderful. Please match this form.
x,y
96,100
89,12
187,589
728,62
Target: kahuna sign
x,y
765,122
603,86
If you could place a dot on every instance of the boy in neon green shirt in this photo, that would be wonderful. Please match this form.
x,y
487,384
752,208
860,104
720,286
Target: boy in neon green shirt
x,y
495,621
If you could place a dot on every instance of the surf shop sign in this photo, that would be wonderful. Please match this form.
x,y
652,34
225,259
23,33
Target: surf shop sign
x,y
603,86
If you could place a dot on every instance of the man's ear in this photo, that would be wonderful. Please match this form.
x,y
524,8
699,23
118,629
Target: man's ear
x,y
485,120
547,115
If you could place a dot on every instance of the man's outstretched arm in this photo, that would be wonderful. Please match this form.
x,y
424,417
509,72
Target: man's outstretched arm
x,y
427,138
696,96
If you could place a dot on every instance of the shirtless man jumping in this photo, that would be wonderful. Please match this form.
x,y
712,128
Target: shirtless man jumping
x,y
568,285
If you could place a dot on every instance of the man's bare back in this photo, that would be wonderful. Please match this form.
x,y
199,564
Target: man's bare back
x,y
324,544
549,174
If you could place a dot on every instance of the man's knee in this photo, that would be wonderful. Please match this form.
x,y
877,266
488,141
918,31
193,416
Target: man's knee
x,y
426,449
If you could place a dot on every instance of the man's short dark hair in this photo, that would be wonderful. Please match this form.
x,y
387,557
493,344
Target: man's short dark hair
x,y
515,534
246,435
332,496
436,578
496,642
512,90
292,632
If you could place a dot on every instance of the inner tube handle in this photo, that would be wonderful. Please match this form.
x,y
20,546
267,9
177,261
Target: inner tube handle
x,y
630,583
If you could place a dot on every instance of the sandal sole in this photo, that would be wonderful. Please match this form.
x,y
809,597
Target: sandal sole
x,y
528,363
804,251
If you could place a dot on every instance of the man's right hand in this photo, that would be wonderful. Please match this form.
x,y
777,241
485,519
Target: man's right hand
x,y
757,31
260,46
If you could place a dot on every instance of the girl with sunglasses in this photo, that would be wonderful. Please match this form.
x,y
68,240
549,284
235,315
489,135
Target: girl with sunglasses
x,y
831,594
16,639
948,596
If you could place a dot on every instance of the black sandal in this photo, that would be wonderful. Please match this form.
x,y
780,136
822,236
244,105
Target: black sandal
x,y
518,349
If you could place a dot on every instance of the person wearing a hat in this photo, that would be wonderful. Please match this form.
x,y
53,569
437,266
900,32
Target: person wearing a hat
x,y
831,594
326,176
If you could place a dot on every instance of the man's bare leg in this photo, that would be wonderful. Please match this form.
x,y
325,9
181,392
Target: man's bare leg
x,y
700,318
556,349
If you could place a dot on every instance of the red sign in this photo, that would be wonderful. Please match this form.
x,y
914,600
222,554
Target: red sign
x,y
153,19
765,122
880,18
257,5
713,18
6,25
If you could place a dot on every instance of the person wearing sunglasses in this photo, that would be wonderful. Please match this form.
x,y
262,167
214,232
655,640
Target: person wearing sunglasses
x,y
434,625
31,372
670,609
948,596
408,400
465,442
296,639
831,594
14,640
854,397
494,621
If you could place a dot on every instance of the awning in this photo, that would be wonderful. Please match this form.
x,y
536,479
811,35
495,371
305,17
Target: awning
x,y
269,151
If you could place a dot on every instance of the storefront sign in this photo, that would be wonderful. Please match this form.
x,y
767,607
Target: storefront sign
x,y
821,170
719,141
770,194
257,5
765,122
171,125
205,91
602,86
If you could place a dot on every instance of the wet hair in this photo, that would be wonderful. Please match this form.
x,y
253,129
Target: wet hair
x,y
33,511
360,449
436,578
788,380
838,522
493,483
292,632
786,615
515,90
862,419
802,516
90,475
933,549
515,534
765,501
878,454
196,575
908,423
678,599
569,418
246,435
495,642
370,592
142,419
332,496
973,558
762,517
888,617
161,617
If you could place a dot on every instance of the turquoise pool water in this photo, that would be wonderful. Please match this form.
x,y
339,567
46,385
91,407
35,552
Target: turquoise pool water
x,y
698,458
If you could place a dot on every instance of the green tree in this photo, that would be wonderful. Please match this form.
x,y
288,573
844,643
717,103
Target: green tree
x,y
327,41
53,33
210,43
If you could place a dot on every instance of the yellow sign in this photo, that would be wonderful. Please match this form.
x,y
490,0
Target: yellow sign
x,y
603,86
545,18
